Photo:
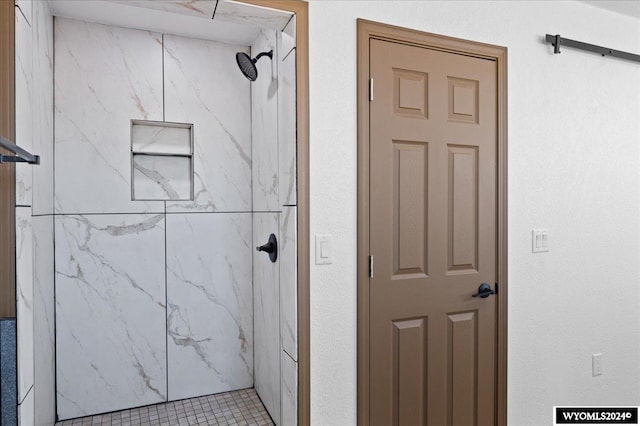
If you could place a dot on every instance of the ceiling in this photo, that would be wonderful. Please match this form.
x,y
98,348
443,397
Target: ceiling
x,y
221,20
625,7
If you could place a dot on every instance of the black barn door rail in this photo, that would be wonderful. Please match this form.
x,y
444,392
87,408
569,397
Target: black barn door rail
x,y
558,41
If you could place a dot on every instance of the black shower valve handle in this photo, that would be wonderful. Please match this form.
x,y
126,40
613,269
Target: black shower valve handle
x,y
266,247
270,247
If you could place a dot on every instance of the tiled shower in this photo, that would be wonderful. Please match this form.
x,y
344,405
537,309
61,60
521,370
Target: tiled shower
x,y
138,273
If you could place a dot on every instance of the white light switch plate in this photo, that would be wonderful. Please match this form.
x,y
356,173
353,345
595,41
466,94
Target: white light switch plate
x,y
540,240
323,249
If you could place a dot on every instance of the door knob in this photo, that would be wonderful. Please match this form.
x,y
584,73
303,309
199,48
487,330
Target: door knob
x,y
270,247
484,291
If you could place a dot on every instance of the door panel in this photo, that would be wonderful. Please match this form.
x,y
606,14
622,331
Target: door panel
x,y
410,209
409,378
462,351
433,161
462,188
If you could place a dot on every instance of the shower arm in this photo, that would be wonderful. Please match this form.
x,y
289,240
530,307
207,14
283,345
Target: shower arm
x,y
261,54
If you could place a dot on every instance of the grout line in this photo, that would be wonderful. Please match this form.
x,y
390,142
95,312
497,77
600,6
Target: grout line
x,y
163,97
253,233
22,205
253,257
23,15
160,213
107,214
288,53
166,305
215,9
28,392
288,22
53,219
278,285
289,355
228,212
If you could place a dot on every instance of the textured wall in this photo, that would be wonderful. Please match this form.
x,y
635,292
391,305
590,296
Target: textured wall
x,y
574,141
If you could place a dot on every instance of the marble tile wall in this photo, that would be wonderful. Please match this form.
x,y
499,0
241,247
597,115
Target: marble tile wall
x,y
110,312
118,266
273,100
264,124
287,123
26,8
26,411
289,386
24,232
44,321
289,37
289,282
210,303
34,196
203,86
288,222
266,295
287,144
24,296
105,76
42,209
24,100
115,257
42,31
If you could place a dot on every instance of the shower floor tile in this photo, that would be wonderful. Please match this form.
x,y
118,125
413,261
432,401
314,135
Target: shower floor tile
x,y
241,407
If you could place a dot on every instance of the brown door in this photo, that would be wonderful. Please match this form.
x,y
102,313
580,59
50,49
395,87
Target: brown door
x,y
433,166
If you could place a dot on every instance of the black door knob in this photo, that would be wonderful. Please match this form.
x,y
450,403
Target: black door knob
x,y
484,291
270,247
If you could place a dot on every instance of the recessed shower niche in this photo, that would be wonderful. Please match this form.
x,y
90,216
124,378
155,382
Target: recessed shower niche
x,y
171,168
161,161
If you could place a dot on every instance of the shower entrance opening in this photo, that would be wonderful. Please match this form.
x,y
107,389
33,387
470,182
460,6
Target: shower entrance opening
x,y
181,210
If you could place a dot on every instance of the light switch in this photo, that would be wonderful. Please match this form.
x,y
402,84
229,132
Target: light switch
x,y
540,240
323,249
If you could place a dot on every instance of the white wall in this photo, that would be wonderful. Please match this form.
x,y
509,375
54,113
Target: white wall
x,y
573,168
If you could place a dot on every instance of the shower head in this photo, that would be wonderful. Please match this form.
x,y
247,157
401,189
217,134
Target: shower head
x,y
248,65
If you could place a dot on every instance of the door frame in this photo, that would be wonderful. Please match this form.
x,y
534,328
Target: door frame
x,y
301,10
368,30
